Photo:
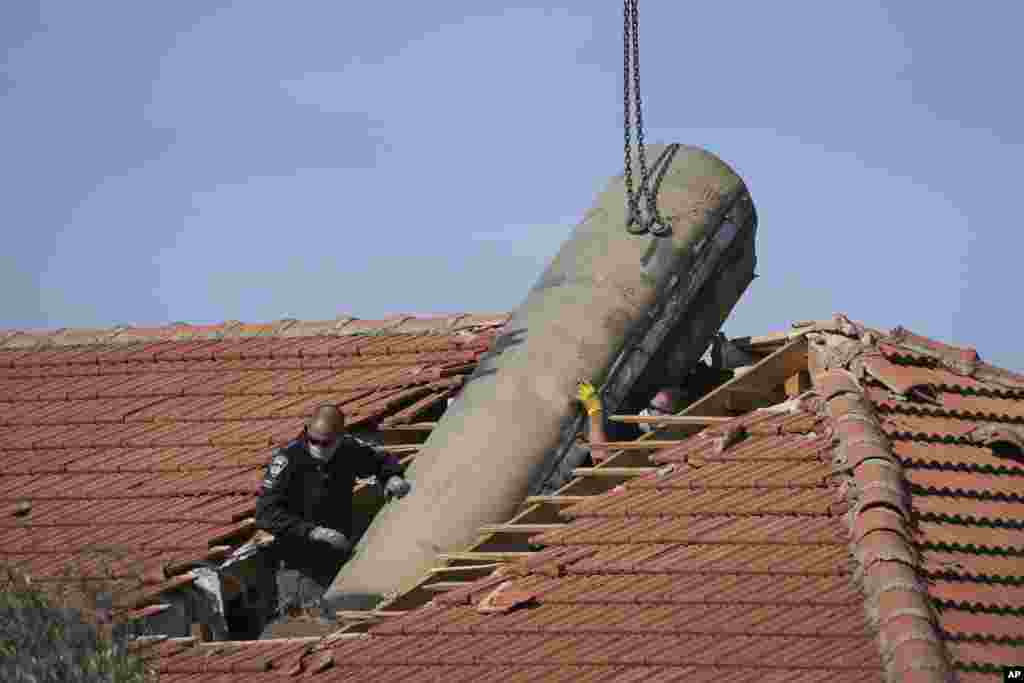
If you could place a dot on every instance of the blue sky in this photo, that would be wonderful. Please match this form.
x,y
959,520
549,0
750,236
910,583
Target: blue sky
x,y
204,161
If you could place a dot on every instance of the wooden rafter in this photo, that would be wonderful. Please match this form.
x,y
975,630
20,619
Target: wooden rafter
x,y
555,500
613,472
765,376
414,427
788,358
696,420
649,445
519,528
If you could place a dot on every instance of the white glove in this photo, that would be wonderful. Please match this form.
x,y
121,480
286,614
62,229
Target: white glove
x,y
397,487
331,537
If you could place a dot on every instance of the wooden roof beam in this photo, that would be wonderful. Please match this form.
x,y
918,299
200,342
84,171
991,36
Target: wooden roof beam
x,y
413,427
651,445
613,472
697,420
555,500
444,586
519,528
764,377
482,556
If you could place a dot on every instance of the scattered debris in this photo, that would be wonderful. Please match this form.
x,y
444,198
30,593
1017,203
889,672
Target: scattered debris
x,y
665,471
730,436
1006,440
504,598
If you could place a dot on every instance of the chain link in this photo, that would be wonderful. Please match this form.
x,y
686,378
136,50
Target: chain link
x,y
636,223
631,199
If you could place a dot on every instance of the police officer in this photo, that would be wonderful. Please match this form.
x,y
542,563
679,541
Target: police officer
x,y
305,501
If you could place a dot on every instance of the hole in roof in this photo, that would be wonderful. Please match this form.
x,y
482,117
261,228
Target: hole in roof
x,y
925,392
1007,449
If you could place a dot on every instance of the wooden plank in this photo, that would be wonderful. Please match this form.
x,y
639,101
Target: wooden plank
x,y
519,528
638,445
556,500
244,528
482,556
148,595
148,611
771,339
613,472
442,586
695,420
414,427
215,554
774,339
365,615
402,448
798,383
464,568
740,388
767,374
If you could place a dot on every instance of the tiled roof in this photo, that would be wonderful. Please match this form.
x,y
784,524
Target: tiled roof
x,y
133,452
869,529
960,441
719,566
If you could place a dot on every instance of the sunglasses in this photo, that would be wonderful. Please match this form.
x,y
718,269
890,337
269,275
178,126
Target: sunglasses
x,y
324,442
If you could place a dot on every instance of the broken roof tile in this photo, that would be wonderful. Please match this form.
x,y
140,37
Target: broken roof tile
x,y
738,566
147,404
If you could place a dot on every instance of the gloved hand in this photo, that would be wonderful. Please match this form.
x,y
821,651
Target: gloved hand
x,y
396,487
587,395
331,537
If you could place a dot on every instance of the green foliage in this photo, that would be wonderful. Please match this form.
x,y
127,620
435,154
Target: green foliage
x,y
41,641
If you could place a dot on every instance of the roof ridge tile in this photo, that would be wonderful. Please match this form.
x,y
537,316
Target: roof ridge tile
x,y
909,638
49,338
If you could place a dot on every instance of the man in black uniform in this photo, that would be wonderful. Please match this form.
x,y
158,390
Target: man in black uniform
x,y
306,503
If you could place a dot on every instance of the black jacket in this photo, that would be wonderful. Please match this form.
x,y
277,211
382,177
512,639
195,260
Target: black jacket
x,y
299,492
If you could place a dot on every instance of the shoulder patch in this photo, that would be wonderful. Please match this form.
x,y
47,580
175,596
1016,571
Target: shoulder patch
x,y
275,468
278,464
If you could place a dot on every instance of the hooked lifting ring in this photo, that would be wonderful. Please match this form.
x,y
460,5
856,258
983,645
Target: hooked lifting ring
x,y
636,222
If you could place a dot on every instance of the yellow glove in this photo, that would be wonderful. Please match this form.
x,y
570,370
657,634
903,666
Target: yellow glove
x,y
587,395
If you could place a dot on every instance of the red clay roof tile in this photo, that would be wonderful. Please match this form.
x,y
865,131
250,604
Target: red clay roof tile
x,y
992,654
787,579
966,508
953,455
966,498
963,624
149,406
962,594
927,427
972,484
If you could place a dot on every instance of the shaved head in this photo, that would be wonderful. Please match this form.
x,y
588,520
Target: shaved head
x,y
326,420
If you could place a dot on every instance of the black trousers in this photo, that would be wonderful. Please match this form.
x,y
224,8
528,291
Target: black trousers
x,y
299,587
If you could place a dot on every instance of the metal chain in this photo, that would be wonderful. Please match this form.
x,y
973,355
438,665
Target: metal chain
x,y
636,223
631,200
641,151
